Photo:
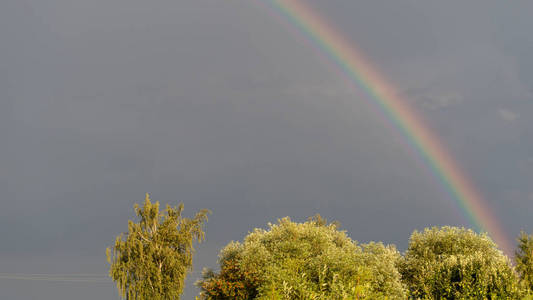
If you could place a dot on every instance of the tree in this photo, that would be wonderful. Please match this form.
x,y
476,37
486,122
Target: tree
x,y
524,261
151,261
310,260
457,263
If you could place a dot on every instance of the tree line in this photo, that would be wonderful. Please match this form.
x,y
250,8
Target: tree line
x,y
314,260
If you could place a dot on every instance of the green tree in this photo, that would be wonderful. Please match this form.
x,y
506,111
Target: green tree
x,y
310,260
151,261
524,261
457,263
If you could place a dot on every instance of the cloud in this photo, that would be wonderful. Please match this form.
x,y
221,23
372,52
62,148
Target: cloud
x,y
319,89
508,115
431,99
438,101
531,196
514,85
230,110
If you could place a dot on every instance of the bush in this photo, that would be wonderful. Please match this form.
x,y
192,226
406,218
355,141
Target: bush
x,y
311,260
457,263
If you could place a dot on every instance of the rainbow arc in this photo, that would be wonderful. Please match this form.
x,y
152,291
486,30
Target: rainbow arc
x,y
359,71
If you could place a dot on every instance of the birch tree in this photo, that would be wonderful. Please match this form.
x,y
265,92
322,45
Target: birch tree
x,y
152,259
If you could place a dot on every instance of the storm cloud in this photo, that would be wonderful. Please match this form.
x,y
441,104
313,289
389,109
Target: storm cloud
x,y
216,105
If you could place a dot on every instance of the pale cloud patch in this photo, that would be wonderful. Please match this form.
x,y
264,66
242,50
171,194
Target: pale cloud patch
x,y
438,101
321,89
511,81
433,100
508,115
476,72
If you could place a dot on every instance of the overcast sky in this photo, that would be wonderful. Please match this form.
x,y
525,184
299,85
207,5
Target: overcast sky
x,y
215,104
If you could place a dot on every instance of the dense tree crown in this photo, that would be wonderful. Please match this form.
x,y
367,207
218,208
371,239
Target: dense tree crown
x,y
457,263
524,261
152,259
311,260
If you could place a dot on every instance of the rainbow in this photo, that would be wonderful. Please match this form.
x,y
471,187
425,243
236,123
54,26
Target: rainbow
x,y
359,71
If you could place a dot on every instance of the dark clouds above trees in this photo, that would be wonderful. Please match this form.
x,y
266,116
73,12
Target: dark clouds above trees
x,y
214,104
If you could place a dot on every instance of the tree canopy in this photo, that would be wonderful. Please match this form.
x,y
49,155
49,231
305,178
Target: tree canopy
x,y
457,263
152,259
524,260
310,260
314,260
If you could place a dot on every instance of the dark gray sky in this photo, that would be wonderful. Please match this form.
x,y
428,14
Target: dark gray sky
x,y
214,104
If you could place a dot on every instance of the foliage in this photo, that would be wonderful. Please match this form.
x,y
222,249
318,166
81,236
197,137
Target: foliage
x,y
456,263
311,260
151,261
524,261
231,282
383,261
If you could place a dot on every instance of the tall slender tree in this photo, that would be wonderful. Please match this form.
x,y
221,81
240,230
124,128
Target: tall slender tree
x,y
152,259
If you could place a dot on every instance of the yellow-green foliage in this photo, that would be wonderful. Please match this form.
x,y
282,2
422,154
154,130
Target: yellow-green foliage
x,y
311,260
151,261
457,263
524,261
